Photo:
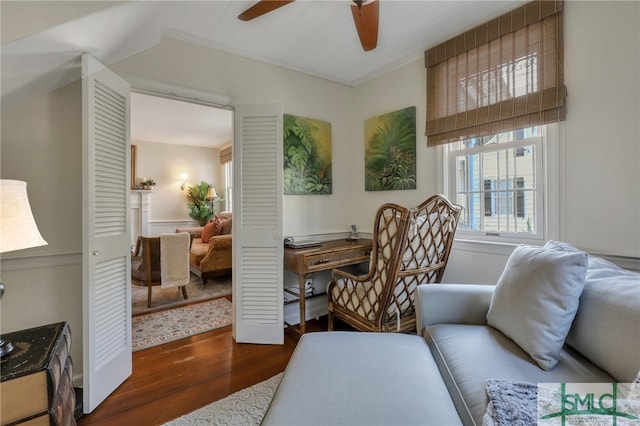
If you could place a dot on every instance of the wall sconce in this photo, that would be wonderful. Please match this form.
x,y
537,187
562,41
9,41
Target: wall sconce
x,y
184,178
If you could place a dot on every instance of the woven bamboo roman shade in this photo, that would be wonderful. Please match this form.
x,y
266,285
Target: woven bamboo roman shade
x,y
225,155
504,75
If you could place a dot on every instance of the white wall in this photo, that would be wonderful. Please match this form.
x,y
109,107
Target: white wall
x,y
41,144
602,171
395,90
250,82
600,153
165,163
601,198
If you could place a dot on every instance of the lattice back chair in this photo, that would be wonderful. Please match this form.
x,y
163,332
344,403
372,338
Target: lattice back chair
x,y
145,265
426,248
418,255
359,300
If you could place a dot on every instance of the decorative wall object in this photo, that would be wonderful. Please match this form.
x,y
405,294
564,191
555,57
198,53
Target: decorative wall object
x,y
134,163
307,156
390,151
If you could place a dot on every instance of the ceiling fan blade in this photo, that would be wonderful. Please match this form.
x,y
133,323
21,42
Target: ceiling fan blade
x,y
262,7
366,16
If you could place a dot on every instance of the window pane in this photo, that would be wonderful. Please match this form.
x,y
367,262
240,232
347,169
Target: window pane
x,y
473,209
461,174
495,185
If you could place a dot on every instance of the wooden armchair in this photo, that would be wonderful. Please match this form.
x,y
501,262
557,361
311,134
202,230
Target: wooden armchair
x,y
145,265
410,247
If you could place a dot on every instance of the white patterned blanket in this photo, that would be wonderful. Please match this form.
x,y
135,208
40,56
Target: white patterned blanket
x,y
513,403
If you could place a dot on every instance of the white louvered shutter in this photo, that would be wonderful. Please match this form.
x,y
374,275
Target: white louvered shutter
x,y
257,225
106,228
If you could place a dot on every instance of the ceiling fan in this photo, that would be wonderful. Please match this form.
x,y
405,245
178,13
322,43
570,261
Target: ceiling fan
x,y
365,17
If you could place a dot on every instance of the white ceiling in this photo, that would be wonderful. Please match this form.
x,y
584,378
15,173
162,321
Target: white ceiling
x,y
156,119
315,37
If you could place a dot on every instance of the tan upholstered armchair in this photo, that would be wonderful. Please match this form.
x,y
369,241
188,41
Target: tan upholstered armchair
x,y
410,247
212,259
211,255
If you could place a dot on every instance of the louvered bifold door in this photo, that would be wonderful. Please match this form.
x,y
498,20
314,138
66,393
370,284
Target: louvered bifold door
x,y
106,243
257,225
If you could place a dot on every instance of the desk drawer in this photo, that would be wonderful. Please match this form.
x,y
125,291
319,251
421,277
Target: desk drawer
x,y
324,261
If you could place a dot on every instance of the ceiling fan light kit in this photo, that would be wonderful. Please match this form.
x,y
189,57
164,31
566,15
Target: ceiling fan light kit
x,y
365,17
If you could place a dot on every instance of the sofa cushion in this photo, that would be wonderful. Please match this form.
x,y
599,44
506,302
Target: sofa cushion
x,y
610,311
536,299
199,250
208,231
352,378
226,226
469,355
225,221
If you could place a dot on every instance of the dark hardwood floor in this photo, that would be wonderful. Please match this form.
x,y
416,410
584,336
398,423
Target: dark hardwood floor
x,y
178,377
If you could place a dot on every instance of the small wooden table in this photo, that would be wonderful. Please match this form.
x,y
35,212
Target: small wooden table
x,y
329,255
37,377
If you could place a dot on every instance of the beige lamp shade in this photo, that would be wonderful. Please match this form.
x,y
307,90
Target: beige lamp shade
x,y
18,229
211,193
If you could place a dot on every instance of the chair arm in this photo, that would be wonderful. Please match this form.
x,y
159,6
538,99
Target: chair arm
x,y
195,231
219,255
350,282
339,273
452,304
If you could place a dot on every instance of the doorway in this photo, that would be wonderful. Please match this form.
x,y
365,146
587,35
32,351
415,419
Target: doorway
x,y
179,143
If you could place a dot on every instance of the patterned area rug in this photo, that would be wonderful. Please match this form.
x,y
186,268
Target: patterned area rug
x,y
163,298
245,407
166,326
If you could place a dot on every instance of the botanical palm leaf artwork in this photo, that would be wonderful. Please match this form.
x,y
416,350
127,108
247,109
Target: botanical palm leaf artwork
x,y
307,156
390,151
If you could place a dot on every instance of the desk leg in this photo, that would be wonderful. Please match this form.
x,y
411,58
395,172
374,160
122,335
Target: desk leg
x,y
301,302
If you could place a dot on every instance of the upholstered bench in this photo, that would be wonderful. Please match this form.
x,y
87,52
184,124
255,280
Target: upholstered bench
x,y
352,378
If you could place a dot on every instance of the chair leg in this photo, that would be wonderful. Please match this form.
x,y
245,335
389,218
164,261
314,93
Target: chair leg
x,y
184,291
330,322
148,296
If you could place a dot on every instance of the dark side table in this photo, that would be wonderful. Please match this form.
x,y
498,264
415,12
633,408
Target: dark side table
x,y
37,377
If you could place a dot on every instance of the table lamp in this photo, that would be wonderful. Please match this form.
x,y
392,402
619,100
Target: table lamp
x,y
18,229
212,196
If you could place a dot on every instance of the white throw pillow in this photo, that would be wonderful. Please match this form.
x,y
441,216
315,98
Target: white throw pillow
x,y
536,298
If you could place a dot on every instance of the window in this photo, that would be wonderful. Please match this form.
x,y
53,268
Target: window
x,y
494,94
228,186
226,159
503,75
499,180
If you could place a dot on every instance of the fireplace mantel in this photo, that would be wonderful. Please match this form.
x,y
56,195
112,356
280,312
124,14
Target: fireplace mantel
x,y
139,213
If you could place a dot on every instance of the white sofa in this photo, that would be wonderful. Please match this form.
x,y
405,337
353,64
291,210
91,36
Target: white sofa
x,y
439,377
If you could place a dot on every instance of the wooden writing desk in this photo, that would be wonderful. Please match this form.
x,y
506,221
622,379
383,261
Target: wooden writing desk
x,y
329,255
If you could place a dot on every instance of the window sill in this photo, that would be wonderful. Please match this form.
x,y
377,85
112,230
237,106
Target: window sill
x,y
486,247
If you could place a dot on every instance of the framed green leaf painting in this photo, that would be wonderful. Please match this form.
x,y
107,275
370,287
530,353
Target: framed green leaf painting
x,y
390,151
307,156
